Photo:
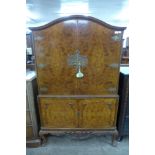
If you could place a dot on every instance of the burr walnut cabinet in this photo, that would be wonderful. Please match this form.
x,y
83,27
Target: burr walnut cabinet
x,y
77,65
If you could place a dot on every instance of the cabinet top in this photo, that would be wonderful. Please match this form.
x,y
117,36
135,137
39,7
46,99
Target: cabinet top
x,y
78,17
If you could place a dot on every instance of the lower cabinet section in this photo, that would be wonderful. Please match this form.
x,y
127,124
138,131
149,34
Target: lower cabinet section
x,y
88,113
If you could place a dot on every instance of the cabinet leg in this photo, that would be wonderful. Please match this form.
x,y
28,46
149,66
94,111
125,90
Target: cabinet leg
x,y
114,137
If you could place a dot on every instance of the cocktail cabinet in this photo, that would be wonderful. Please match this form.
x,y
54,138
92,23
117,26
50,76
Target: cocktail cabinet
x,y
77,65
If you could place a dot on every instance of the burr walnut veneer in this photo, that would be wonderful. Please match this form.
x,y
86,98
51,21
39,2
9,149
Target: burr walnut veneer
x,y
77,64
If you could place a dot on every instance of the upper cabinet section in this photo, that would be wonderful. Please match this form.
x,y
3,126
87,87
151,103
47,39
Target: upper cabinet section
x,y
77,55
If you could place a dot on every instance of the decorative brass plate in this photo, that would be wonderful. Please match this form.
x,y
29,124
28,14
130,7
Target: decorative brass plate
x,y
78,61
117,36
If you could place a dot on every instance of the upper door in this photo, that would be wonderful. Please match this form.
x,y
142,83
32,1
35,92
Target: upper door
x,y
77,55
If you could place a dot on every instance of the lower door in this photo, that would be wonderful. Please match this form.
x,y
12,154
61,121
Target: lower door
x,y
97,113
58,113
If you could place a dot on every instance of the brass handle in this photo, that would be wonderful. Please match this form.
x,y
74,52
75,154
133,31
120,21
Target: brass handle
x,y
78,61
79,74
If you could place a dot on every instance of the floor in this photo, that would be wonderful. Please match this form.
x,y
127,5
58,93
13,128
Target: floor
x,y
68,145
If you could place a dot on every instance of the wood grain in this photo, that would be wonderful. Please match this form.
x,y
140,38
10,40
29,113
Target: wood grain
x,y
53,50
58,113
94,41
80,113
68,103
97,113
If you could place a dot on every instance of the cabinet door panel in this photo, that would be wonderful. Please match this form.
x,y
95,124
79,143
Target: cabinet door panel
x,y
52,47
97,113
58,113
103,53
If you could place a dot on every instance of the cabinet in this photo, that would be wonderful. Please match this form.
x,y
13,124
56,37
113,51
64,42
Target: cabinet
x,y
29,53
77,64
32,137
123,109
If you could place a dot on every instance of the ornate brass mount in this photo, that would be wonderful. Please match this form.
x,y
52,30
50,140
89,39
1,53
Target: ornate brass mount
x,y
117,36
78,61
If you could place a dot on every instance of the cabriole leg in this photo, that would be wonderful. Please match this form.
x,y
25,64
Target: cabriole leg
x,y
114,137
